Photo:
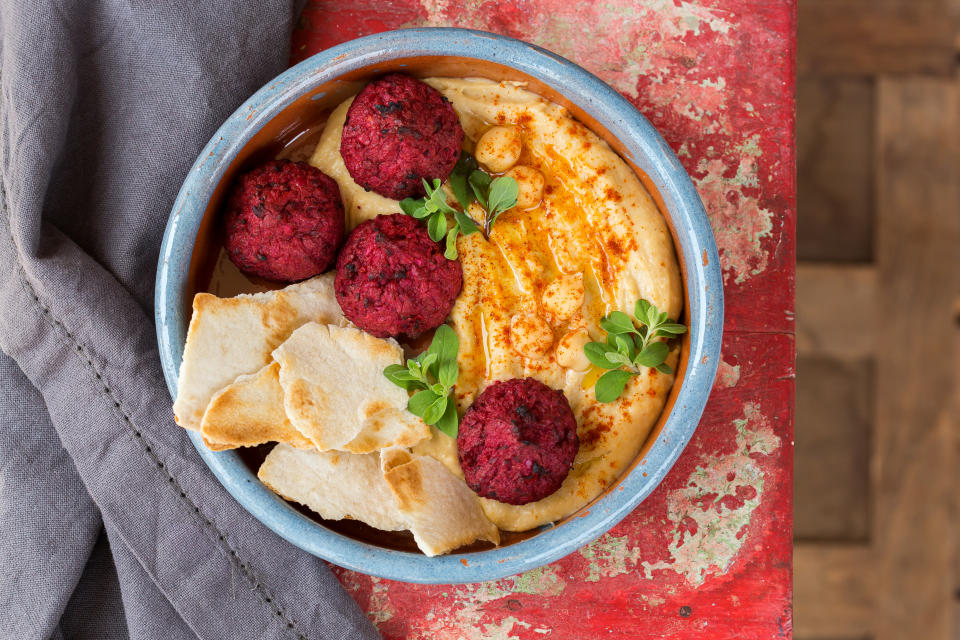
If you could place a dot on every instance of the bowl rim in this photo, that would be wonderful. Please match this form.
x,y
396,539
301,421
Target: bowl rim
x,y
645,147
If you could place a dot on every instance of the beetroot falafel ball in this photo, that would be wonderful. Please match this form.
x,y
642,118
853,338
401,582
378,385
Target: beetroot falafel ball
x,y
392,279
284,221
398,132
517,441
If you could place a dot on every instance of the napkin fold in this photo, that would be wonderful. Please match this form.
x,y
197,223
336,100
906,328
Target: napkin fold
x,y
111,526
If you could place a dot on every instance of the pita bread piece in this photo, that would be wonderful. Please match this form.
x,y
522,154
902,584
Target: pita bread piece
x,y
440,510
335,393
230,337
334,484
394,457
250,412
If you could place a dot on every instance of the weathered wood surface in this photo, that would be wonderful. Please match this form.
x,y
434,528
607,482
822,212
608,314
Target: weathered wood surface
x,y
834,417
867,37
835,169
837,311
834,591
915,440
708,554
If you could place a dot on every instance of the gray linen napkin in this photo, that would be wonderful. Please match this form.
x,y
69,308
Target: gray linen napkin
x,y
110,524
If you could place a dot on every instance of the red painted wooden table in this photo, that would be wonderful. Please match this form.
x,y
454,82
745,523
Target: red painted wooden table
x,y
708,554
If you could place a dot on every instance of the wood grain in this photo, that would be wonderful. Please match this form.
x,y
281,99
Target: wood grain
x,y
833,591
835,170
837,311
834,416
865,37
914,454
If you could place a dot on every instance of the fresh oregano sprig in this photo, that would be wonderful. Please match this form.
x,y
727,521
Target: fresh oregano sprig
x,y
434,209
432,375
631,346
495,195
466,165
468,183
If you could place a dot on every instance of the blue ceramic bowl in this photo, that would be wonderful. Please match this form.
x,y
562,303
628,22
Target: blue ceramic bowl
x,y
284,108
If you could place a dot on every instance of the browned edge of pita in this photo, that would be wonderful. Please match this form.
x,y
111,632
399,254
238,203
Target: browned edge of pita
x,y
250,412
441,511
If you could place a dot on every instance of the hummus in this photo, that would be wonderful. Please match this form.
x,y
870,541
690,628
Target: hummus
x,y
535,292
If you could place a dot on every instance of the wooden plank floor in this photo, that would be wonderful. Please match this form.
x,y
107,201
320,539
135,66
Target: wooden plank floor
x,y
878,321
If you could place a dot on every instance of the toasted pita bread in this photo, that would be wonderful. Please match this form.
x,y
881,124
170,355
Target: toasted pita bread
x,y
249,412
440,510
230,337
334,484
335,394
393,457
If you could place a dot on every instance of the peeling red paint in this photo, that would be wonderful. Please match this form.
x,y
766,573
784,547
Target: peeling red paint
x,y
708,553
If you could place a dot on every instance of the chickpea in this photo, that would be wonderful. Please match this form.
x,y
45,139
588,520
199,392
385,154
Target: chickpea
x,y
563,296
569,352
530,335
499,148
530,182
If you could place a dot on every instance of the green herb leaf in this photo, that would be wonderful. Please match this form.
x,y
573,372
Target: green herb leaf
x,y
401,376
415,369
618,322
446,345
611,384
619,358
436,198
625,345
671,329
449,421
450,252
462,191
654,353
437,227
596,353
414,208
503,195
466,223
435,410
640,309
427,360
432,374
420,402
653,318
480,183
631,347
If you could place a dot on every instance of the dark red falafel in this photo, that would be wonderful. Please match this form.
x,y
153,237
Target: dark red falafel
x,y
517,441
398,132
284,221
392,279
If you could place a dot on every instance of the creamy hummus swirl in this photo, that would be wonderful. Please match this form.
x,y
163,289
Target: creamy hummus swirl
x,y
596,228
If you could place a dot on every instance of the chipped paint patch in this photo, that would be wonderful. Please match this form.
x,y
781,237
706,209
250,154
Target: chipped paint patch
x,y
638,38
739,223
608,556
468,617
380,609
711,513
728,375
